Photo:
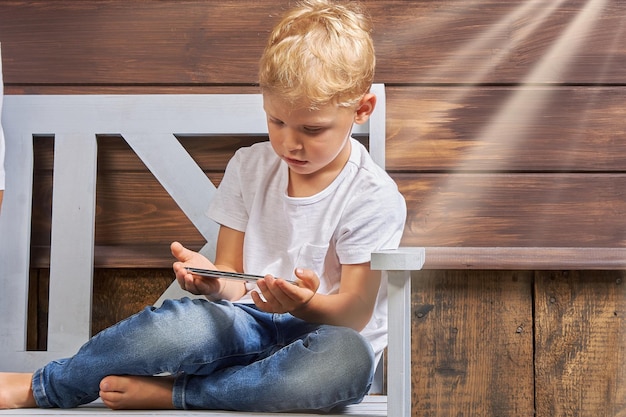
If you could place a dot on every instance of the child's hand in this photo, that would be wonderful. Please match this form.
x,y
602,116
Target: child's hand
x,y
189,282
282,296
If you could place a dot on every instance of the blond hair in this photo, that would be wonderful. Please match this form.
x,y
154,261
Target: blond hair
x,y
321,52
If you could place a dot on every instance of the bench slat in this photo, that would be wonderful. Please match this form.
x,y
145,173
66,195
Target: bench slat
x,y
73,230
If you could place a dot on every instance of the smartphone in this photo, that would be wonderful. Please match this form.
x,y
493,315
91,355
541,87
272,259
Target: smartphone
x,y
211,273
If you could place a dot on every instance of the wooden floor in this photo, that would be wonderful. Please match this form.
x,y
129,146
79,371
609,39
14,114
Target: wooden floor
x,y
372,406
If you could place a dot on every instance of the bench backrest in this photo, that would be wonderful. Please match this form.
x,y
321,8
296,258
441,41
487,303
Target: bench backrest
x,y
148,123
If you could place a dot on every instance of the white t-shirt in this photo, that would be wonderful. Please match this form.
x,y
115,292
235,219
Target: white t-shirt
x,y
359,212
1,132
1,152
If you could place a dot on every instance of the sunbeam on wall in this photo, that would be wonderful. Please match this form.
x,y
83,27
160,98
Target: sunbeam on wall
x,y
506,132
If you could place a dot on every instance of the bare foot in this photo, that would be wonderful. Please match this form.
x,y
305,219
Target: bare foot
x,y
16,390
137,392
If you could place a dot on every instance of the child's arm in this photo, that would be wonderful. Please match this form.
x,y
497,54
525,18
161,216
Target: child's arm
x,y
351,307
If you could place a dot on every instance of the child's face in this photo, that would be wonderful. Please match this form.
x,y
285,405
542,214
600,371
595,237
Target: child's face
x,y
309,141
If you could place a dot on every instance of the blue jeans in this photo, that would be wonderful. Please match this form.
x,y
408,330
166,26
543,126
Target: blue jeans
x,y
223,356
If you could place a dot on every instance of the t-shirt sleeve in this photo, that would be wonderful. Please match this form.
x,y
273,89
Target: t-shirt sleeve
x,y
1,131
227,206
1,157
373,221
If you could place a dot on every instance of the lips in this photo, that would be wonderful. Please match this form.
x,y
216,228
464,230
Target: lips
x,y
294,161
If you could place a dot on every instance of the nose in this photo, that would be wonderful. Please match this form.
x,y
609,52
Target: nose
x,y
291,140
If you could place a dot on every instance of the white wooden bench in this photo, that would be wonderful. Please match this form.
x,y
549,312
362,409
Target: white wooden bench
x,y
148,123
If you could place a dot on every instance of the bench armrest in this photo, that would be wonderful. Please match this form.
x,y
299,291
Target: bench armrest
x,y
398,263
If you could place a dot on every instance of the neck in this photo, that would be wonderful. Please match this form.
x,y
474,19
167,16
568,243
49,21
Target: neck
x,y
310,184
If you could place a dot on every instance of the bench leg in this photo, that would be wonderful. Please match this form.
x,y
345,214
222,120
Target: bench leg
x,y
399,349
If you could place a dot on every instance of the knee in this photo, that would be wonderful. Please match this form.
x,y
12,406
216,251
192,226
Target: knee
x,y
354,354
347,360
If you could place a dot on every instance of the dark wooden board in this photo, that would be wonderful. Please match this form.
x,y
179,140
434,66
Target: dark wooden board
x,y
472,343
532,210
580,339
199,42
506,129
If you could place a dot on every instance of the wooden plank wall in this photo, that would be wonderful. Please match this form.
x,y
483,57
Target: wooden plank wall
x,y
506,127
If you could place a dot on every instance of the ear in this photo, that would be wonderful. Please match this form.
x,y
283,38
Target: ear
x,y
365,108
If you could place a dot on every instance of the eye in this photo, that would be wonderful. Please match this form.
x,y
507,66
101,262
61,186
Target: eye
x,y
312,129
276,121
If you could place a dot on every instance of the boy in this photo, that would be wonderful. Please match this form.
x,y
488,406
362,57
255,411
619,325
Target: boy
x,y
309,205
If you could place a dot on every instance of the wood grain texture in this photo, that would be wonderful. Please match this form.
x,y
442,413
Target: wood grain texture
x,y
120,293
172,42
472,343
198,42
525,258
512,129
531,210
580,339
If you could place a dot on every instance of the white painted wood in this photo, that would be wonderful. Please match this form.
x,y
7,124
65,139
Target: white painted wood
x,y
15,240
399,348
217,114
73,231
401,259
372,406
1,131
398,265
377,126
27,361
